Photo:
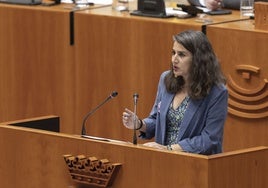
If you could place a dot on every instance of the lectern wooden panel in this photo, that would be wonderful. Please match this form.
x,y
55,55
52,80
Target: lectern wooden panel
x,y
34,158
36,63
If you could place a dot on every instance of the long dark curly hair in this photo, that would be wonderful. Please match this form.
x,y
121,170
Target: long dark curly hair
x,y
205,69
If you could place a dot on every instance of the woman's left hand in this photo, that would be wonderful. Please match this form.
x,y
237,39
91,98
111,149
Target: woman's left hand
x,y
174,148
155,145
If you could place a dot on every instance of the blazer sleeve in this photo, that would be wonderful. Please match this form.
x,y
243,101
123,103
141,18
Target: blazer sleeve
x,y
152,119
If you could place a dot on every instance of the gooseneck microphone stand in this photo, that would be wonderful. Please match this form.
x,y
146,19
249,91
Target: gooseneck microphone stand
x,y
135,97
83,132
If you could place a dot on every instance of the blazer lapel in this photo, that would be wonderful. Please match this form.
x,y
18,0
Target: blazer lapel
x,y
165,103
191,110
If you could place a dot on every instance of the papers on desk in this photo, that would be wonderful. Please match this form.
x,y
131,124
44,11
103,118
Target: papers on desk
x,y
101,2
66,1
204,9
97,2
103,139
176,12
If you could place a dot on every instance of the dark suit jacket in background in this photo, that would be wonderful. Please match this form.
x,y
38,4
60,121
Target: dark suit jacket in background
x,y
229,4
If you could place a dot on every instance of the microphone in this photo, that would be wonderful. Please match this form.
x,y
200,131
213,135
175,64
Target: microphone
x,y
83,132
135,98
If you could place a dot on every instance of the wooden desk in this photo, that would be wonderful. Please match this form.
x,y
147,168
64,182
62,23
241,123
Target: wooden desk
x,y
242,51
34,158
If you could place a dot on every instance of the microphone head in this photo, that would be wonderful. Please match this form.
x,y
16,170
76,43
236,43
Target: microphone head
x,y
136,95
114,94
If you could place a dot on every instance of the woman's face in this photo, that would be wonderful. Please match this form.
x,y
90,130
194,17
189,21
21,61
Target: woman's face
x,y
181,60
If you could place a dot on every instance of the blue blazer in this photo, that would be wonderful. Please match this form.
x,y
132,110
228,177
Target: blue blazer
x,y
201,130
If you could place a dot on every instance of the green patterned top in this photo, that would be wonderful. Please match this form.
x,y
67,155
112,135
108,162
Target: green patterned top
x,y
174,119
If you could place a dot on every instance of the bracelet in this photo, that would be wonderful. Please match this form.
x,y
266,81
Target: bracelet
x,y
141,124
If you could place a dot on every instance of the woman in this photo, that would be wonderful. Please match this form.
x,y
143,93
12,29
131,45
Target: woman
x,y
191,103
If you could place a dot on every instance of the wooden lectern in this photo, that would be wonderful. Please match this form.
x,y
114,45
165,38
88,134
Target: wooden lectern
x,y
32,158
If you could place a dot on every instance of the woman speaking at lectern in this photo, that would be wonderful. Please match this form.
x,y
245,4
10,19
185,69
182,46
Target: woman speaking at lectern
x,y
191,101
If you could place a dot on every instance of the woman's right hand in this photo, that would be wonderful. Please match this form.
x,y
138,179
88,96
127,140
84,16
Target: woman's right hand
x,y
128,119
